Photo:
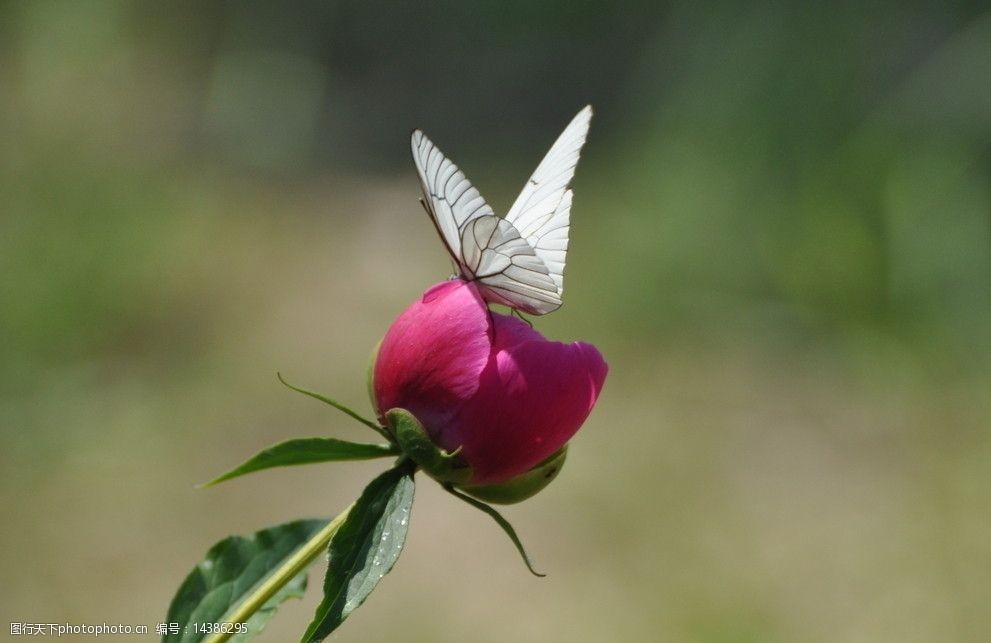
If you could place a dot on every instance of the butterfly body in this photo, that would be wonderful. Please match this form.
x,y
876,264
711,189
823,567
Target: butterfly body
x,y
517,261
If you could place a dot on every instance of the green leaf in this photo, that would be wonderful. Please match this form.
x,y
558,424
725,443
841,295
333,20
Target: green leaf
x,y
364,549
337,405
308,451
231,570
257,621
502,522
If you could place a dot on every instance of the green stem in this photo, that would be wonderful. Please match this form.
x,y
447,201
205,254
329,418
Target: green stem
x,y
289,569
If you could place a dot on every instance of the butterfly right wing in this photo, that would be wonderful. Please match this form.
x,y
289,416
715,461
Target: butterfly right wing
x,y
450,199
507,268
542,211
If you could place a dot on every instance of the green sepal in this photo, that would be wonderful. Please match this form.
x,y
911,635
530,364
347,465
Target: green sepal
x,y
522,486
415,443
308,451
337,405
370,377
231,569
364,548
502,522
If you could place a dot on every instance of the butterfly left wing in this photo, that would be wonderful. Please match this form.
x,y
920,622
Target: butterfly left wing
x,y
450,198
506,267
542,212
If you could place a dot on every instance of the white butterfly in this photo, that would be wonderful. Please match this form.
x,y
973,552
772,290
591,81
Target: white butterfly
x,y
517,261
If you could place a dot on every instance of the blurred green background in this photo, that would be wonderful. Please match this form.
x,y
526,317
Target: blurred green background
x,y
781,242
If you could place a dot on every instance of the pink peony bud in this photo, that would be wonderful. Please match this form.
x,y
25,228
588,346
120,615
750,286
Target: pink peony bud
x,y
484,382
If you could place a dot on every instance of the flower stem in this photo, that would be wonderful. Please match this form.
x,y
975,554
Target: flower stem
x,y
285,573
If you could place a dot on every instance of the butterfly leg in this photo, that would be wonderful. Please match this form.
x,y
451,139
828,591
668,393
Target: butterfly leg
x,y
518,314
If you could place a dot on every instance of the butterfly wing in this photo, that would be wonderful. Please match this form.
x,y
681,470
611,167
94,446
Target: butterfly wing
x,y
450,199
542,211
506,267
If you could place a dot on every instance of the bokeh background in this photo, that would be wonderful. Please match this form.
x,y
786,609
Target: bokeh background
x,y
781,241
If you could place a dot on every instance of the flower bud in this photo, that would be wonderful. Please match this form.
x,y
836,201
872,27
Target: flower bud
x,y
486,386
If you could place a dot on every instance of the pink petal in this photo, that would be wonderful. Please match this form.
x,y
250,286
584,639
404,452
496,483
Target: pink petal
x,y
431,358
534,395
